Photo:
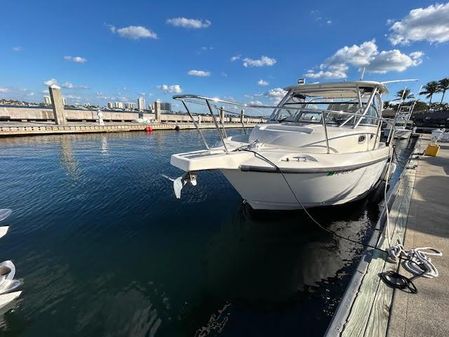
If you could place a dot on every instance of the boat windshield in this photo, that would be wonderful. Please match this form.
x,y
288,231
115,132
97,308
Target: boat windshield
x,y
297,108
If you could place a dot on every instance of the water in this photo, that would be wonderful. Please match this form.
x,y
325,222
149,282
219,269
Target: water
x,y
105,249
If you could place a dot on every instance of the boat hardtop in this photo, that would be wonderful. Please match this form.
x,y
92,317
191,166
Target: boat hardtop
x,y
338,89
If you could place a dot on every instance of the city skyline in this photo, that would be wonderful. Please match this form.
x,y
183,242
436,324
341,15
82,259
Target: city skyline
x,y
154,50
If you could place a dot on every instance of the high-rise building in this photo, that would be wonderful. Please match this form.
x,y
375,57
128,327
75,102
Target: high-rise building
x,y
110,105
64,101
47,100
141,103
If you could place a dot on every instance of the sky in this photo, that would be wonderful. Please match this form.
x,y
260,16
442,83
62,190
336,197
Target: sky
x,y
100,51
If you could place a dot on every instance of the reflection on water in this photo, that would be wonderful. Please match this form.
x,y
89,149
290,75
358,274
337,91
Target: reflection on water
x,y
105,249
67,158
104,144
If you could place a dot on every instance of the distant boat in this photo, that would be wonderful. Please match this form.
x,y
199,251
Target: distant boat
x,y
320,147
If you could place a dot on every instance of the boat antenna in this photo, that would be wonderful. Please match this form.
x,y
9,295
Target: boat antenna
x,y
397,81
363,74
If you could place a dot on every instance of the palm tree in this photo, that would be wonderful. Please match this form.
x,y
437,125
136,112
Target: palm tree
x,y
404,94
444,85
430,89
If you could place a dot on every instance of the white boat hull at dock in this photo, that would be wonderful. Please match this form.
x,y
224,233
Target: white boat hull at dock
x,y
269,191
320,147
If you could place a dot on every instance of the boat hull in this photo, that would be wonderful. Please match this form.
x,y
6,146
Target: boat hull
x,y
269,191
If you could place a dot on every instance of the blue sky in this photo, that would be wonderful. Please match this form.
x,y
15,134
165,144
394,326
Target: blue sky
x,y
101,51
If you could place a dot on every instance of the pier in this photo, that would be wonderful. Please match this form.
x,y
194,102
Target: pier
x,y
417,218
427,312
28,121
33,129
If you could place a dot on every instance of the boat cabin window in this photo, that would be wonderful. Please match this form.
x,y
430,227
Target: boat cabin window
x,y
296,108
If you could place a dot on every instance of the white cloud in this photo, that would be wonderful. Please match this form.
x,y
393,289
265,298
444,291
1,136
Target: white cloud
x,y
255,103
356,55
365,55
330,72
318,17
394,60
262,83
134,32
72,97
70,85
264,61
235,58
171,89
198,73
75,59
17,49
422,24
189,23
51,82
4,90
276,94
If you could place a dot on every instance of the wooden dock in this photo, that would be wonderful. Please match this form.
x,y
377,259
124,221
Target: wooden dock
x,y
365,307
30,129
427,312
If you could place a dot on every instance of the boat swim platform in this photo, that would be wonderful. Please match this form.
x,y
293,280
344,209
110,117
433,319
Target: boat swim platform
x,y
419,207
9,129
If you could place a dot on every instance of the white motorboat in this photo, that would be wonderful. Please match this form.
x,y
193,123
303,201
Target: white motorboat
x,y
320,147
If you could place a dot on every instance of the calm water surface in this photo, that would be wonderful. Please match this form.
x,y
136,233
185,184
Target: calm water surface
x,y
105,249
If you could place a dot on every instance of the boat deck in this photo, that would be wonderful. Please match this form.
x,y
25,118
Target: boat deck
x,y
418,218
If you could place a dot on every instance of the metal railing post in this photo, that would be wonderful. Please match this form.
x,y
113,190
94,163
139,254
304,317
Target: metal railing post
x,y
222,118
242,120
216,125
378,129
368,104
195,123
323,118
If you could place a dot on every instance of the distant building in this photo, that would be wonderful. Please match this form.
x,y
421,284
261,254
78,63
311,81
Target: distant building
x,y
64,101
162,106
47,100
165,106
119,105
131,106
110,105
141,103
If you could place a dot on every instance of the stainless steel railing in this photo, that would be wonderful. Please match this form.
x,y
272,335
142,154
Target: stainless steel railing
x,y
210,103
